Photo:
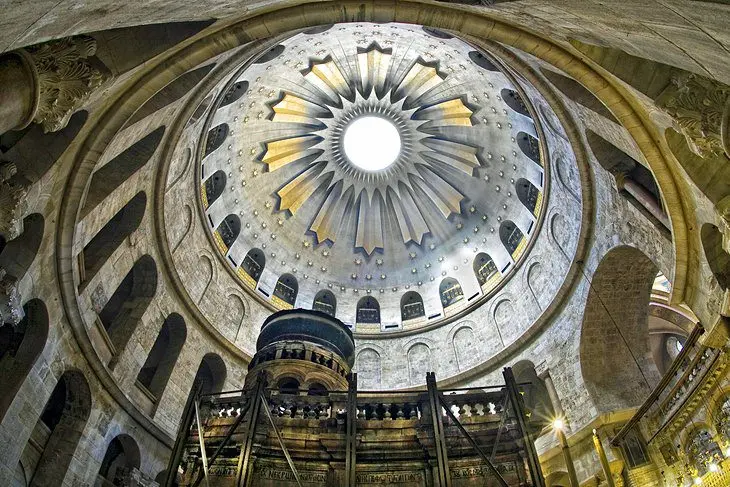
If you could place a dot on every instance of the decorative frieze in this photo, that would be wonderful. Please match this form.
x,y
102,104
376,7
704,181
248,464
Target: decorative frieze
x,y
66,76
700,108
12,202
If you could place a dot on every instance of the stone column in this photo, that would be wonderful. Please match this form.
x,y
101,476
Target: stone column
x,y
48,82
544,375
644,197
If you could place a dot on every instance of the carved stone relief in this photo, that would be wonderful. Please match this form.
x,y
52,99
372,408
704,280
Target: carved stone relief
x,y
12,202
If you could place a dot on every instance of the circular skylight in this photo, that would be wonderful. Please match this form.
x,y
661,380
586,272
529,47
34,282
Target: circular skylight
x,y
372,143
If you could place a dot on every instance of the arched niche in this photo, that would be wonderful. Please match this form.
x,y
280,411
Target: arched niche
x,y
286,289
529,146
717,258
211,375
115,172
575,91
614,340
411,306
369,369
216,136
419,363
17,255
106,240
325,302
316,389
368,310
465,348
123,311
234,93
512,238
450,292
227,232
288,385
253,264
20,346
214,187
536,397
528,195
482,61
485,269
61,424
121,457
515,101
161,360
168,95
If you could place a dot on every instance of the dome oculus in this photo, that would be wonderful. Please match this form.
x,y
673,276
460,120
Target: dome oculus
x,y
371,143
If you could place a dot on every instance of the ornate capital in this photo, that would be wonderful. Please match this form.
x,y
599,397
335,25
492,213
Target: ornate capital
x,y
12,202
700,108
66,75
11,309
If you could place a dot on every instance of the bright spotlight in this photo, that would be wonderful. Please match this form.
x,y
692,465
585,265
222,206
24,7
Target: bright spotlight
x,y
372,143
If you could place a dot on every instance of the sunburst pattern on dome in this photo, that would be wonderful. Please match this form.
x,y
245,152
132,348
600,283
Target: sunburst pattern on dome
x,y
330,99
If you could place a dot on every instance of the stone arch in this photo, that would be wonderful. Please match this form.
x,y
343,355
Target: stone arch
x,y
536,397
537,281
512,238
717,258
234,93
227,232
505,319
18,254
465,348
122,455
123,312
484,268
235,301
168,95
326,302
450,292
213,187
155,373
205,262
65,416
577,93
614,348
188,227
211,375
369,369
568,176
367,310
419,362
529,146
286,289
253,264
271,54
115,172
216,136
559,233
411,306
20,347
513,100
528,195
95,254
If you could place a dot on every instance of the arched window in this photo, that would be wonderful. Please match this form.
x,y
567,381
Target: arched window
x,y
20,346
512,238
288,385
484,268
115,172
18,254
106,241
175,90
210,377
325,302
214,187
368,311
121,457
161,360
216,136
515,101
482,61
286,289
411,306
227,232
450,291
236,91
271,54
528,195
578,93
529,146
62,423
253,264
123,312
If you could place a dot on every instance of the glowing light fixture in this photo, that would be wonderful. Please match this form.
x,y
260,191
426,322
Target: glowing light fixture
x,y
558,424
371,143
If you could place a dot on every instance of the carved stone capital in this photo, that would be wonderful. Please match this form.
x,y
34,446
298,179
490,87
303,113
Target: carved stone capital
x,y
11,308
700,108
66,75
12,202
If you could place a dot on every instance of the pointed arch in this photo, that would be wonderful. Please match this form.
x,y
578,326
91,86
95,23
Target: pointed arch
x,y
368,310
161,360
450,291
326,302
411,306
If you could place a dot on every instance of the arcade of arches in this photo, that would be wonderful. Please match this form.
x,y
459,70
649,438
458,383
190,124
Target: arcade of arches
x,y
550,192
